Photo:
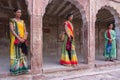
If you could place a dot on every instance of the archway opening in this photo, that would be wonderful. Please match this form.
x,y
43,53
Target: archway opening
x,y
53,24
105,16
6,12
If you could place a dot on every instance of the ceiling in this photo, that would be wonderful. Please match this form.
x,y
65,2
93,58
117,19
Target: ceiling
x,y
60,8
7,7
104,15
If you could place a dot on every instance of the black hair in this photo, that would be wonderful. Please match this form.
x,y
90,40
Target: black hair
x,y
16,9
68,15
110,24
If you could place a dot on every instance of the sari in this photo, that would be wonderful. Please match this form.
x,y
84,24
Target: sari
x,y
110,47
18,62
68,56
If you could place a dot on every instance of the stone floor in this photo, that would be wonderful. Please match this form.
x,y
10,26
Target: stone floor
x,y
104,73
103,76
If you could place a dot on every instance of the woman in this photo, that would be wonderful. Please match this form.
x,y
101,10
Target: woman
x,y
110,43
68,56
18,48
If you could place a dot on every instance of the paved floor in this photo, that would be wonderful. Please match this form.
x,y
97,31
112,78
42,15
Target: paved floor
x,y
108,73
114,75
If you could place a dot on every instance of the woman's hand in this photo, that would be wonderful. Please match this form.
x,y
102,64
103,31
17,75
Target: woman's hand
x,y
26,35
21,40
70,38
110,40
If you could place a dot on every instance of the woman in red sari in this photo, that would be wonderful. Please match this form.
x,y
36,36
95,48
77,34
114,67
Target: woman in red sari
x,y
68,56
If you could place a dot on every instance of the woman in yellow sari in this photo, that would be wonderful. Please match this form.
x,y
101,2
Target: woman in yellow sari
x,y
68,56
18,46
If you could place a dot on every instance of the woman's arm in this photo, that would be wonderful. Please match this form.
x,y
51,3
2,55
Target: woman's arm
x,y
26,33
114,35
105,35
14,33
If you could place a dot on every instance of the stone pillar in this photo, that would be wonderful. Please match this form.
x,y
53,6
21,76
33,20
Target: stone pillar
x,y
117,30
85,43
36,38
91,34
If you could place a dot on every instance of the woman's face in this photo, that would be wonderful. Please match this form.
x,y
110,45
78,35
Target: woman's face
x,y
71,18
18,13
111,26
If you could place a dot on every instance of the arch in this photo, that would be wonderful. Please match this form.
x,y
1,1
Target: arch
x,y
77,5
113,12
80,8
116,17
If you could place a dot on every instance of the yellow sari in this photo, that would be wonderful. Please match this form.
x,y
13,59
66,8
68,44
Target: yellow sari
x,y
18,62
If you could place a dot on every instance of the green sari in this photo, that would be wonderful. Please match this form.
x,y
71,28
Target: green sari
x,y
112,53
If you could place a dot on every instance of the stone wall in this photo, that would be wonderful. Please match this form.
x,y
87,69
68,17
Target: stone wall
x,y
99,37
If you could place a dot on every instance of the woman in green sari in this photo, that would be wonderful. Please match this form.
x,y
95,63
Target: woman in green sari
x,y
110,43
